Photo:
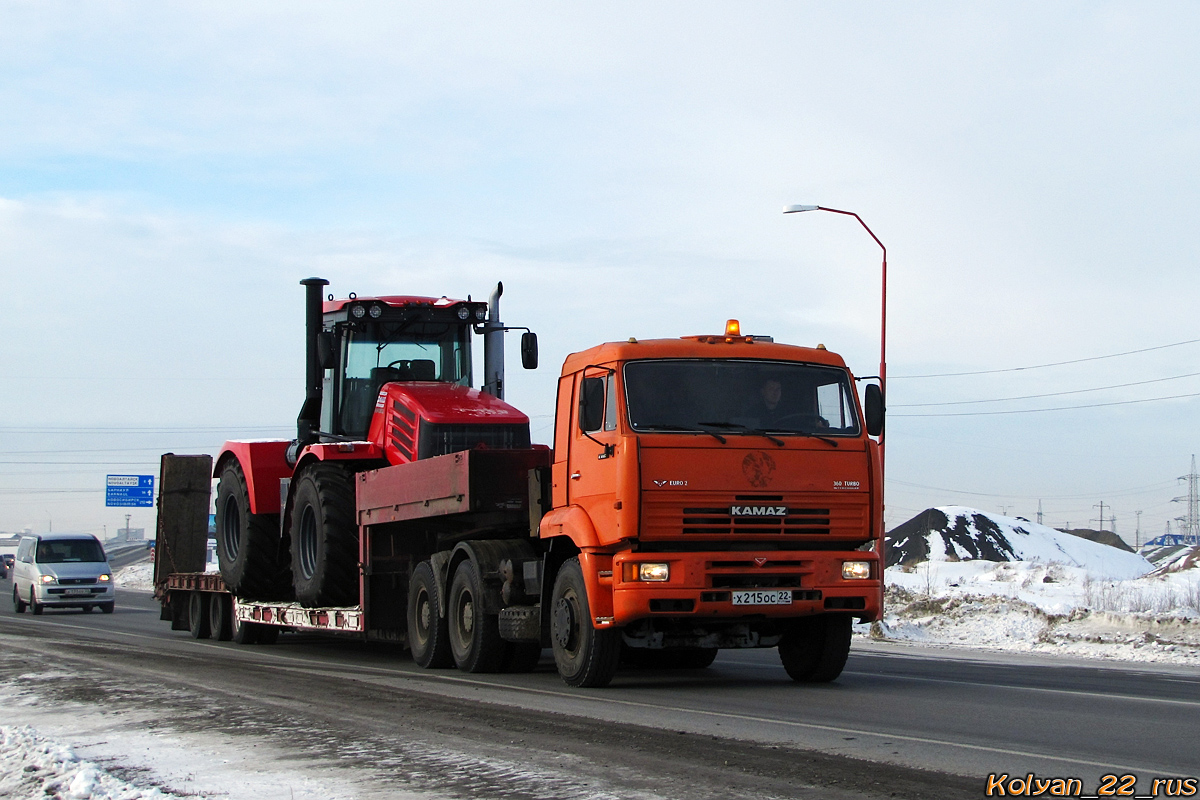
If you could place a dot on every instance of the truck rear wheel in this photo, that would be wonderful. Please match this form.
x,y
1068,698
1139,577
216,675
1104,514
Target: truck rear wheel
x,y
241,631
324,538
198,616
474,636
247,544
220,617
584,656
428,634
816,650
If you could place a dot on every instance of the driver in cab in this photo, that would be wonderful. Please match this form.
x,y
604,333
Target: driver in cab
x,y
772,412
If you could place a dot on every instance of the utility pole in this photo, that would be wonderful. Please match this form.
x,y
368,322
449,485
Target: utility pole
x,y
1039,512
1101,505
1137,534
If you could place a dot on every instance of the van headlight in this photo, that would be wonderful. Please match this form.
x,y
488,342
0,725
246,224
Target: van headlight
x,y
105,578
856,570
48,579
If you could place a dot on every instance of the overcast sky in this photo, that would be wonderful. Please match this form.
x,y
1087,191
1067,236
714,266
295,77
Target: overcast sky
x,y
169,172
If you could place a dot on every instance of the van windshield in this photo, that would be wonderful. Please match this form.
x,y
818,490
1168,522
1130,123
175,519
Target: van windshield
x,y
69,550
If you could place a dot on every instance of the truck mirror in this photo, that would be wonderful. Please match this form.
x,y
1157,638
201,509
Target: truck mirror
x,y
529,351
591,404
874,410
325,349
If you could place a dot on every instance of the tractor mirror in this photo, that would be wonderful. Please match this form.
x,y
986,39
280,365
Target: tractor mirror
x,y
874,410
529,351
325,349
591,404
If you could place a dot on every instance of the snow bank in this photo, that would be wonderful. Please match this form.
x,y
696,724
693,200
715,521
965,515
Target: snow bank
x,y
135,576
34,767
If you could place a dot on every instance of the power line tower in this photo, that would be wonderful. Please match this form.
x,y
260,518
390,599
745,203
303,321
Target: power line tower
x,y
1039,512
1190,524
1100,505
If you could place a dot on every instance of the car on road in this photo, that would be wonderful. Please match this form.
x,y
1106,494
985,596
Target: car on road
x,y
6,564
62,570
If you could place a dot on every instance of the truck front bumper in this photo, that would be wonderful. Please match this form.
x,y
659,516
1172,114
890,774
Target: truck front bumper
x,y
732,585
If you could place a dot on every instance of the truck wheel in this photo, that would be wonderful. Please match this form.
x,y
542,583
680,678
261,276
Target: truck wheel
x,y
247,544
198,616
474,636
584,656
816,650
523,656
34,605
18,604
242,632
324,538
219,617
428,635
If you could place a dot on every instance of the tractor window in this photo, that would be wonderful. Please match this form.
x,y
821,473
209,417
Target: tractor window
x,y
728,396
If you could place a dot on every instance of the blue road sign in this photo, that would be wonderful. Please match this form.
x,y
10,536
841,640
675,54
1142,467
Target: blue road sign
x,y
129,491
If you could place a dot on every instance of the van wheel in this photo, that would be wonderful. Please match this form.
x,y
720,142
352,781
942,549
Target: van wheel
x,y
324,538
86,609
428,634
198,616
220,617
248,544
474,636
34,605
18,604
107,608
584,656
815,651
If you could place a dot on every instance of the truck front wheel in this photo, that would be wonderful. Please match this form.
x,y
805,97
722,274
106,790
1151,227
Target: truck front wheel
x,y
815,650
324,538
428,635
247,544
584,656
474,636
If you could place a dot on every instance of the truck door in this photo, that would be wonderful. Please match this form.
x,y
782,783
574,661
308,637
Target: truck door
x,y
592,483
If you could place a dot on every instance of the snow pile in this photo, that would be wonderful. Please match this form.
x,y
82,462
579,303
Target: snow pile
x,y
960,534
37,768
135,576
1176,558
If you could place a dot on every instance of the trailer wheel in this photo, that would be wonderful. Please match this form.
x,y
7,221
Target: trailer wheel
x,y
19,605
324,538
220,617
474,636
428,634
247,544
816,650
198,616
241,631
584,656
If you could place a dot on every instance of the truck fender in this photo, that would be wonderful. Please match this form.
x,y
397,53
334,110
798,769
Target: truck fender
x,y
440,561
487,554
572,522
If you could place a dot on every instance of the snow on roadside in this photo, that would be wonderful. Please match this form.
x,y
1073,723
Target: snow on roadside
x,y
34,767
135,576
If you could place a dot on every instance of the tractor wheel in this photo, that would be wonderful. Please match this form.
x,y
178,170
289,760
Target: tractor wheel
x,y
584,656
324,538
19,605
428,635
248,544
816,650
474,636
198,616
220,617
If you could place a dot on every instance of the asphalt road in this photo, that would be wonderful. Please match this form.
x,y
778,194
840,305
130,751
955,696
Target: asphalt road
x,y
900,721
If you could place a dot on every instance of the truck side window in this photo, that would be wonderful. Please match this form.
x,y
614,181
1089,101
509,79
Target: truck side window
x,y
591,404
610,403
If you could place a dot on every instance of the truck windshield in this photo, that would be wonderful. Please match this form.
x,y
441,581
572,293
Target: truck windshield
x,y
728,396
61,551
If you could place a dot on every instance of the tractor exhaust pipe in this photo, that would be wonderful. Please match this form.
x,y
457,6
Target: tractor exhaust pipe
x,y
309,421
493,346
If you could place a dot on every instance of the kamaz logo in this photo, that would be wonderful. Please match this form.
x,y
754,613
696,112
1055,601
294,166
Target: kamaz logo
x,y
758,511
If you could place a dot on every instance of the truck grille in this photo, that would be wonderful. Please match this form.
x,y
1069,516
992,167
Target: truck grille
x,y
670,515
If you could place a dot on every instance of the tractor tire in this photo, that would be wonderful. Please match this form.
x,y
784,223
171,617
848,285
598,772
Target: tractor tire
x,y
248,545
198,616
19,605
220,617
816,650
474,636
585,656
324,538
428,634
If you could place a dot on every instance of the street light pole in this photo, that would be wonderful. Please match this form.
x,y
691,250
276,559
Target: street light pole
x,y
882,301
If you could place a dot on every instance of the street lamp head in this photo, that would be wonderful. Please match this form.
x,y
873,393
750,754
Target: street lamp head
x,y
796,209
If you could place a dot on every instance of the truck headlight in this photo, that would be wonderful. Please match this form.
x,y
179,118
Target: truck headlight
x,y
653,572
856,570
48,579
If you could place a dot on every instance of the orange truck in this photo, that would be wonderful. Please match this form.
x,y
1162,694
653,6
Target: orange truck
x,y
706,492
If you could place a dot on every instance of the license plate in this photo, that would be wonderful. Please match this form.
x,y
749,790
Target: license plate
x,y
781,597
77,592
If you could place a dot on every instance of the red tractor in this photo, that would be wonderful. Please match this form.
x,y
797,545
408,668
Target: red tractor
x,y
388,381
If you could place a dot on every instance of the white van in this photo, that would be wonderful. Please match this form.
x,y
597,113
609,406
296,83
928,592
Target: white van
x,y
62,570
